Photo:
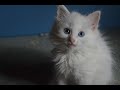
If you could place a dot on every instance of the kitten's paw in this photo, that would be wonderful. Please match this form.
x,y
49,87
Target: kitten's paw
x,y
61,82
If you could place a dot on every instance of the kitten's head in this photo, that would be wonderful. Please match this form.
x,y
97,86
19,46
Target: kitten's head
x,y
73,29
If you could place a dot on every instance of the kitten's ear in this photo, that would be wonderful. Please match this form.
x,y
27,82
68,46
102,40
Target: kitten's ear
x,y
94,19
62,12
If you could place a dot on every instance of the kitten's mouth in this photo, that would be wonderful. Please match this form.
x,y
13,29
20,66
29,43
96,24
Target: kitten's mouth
x,y
71,45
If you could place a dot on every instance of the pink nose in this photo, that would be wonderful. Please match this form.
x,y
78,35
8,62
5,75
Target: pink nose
x,y
71,40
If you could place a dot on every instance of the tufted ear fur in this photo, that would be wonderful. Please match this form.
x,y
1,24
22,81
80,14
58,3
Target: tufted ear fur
x,y
62,12
94,19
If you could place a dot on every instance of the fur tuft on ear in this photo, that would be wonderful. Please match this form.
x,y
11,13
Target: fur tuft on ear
x,y
94,19
62,11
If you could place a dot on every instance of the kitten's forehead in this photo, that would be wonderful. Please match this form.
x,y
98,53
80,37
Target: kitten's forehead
x,y
76,19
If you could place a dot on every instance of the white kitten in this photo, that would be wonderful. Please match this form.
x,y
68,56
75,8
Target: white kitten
x,y
82,56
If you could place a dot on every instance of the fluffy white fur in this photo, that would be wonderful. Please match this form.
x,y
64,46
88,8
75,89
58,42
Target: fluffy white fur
x,y
87,63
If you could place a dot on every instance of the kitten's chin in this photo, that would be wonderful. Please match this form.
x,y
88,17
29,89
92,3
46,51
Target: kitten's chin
x,y
71,46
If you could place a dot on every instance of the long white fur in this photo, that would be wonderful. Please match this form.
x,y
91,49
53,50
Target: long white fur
x,y
90,62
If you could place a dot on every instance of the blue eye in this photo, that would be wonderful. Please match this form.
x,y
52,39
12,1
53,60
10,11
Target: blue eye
x,y
81,34
67,31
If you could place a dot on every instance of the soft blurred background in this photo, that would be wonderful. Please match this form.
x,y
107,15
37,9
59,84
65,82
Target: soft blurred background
x,y
25,56
17,20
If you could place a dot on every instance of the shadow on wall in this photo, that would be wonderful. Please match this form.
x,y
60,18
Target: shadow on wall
x,y
25,64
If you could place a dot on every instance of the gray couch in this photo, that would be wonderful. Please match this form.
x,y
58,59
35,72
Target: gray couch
x,y
26,60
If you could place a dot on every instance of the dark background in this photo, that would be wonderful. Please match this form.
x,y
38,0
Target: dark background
x,y
17,20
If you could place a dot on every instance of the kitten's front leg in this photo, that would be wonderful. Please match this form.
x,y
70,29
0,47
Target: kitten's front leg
x,y
61,82
58,82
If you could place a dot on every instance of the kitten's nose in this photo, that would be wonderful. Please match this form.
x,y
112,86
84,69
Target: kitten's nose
x,y
72,41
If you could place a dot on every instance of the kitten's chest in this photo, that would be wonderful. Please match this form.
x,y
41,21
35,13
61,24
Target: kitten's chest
x,y
80,62
76,58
